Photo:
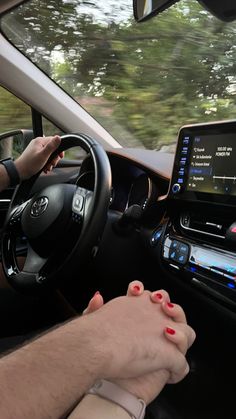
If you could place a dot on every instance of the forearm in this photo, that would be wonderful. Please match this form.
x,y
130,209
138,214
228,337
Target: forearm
x,y
4,179
33,159
52,373
94,407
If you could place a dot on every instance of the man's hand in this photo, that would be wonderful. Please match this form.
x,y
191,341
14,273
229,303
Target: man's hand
x,y
123,339
148,386
36,155
162,353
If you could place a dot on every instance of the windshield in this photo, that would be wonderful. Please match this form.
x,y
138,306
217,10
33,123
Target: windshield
x,y
142,82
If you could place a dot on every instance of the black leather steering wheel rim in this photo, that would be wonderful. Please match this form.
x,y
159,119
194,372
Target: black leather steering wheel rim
x,y
44,265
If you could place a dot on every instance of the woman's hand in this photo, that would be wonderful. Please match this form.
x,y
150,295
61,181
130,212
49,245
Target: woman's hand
x,y
150,385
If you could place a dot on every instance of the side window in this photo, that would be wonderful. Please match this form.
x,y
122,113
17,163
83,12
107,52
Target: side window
x,y
75,153
49,128
14,115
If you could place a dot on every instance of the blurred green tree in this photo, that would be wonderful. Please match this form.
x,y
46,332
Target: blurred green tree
x,y
141,81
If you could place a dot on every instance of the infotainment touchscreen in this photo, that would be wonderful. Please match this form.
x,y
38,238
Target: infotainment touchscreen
x,y
205,163
212,164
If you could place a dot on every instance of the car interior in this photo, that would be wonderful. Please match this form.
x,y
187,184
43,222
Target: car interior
x,y
125,203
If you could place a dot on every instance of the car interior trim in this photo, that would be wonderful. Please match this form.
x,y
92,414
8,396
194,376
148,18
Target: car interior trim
x,y
199,231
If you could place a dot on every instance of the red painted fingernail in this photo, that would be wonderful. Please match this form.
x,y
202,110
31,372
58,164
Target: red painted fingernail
x,y
170,331
170,305
158,296
136,288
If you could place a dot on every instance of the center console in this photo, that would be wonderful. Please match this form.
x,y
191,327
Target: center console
x,y
198,240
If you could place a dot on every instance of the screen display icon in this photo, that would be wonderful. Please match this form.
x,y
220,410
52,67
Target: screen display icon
x,y
212,167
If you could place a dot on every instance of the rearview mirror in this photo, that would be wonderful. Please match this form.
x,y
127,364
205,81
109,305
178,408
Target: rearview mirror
x,y
224,10
146,9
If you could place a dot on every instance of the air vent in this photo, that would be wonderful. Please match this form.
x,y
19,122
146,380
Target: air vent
x,y
208,225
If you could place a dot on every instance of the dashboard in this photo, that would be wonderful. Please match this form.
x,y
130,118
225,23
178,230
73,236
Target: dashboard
x,y
133,183
186,219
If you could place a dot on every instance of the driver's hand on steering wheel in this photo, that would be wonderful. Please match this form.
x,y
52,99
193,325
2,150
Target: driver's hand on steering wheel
x,y
36,155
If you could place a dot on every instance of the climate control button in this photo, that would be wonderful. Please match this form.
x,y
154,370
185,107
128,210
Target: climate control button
x,y
177,251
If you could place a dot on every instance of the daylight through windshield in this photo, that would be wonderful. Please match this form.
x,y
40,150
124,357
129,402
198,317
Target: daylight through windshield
x,y
140,81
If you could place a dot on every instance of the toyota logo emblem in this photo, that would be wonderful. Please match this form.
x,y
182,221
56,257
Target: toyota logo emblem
x,y
39,206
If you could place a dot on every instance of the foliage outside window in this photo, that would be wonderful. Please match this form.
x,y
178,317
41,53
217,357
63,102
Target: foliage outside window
x,y
142,82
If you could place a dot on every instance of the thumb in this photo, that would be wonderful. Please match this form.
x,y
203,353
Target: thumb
x,y
95,303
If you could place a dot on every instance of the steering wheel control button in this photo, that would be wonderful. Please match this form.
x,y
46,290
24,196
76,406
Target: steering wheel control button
x,y
40,279
78,202
176,188
16,215
39,206
76,217
17,212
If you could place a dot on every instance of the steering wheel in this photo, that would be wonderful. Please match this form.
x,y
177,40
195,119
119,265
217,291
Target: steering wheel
x,y
61,223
